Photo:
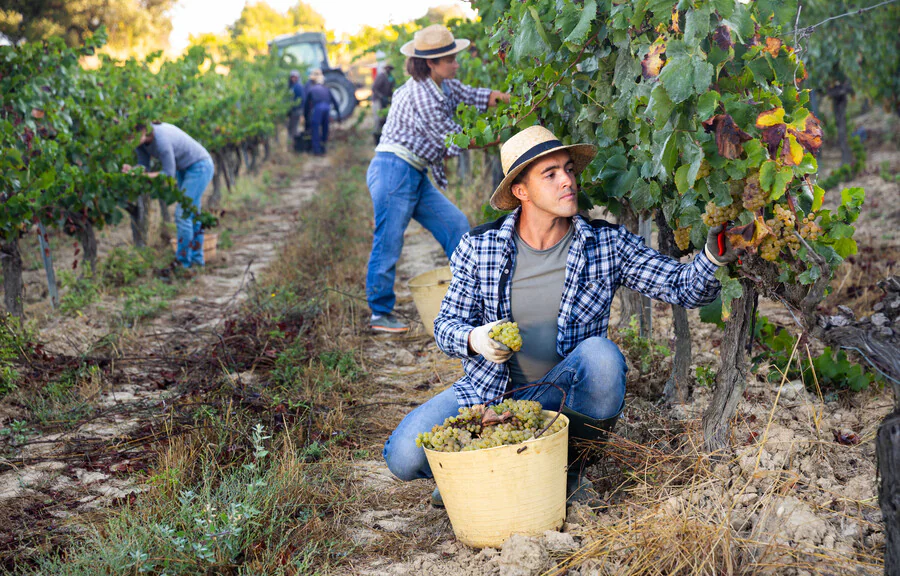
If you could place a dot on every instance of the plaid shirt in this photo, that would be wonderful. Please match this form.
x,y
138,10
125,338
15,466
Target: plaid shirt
x,y
602,257
421,117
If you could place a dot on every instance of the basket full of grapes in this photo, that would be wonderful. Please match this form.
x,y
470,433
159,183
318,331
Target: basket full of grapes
x,y
501,470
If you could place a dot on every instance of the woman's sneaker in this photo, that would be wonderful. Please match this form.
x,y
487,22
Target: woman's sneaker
x,y
387,323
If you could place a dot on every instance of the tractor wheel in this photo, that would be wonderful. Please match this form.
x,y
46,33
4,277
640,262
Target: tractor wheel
x,y
344,92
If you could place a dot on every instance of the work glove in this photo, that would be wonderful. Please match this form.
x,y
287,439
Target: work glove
x,y
718,249
481,343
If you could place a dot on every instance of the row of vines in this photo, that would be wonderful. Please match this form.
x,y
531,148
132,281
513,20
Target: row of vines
x,y
66,130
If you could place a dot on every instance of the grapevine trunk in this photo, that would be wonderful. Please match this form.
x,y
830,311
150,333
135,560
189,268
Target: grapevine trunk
x,y
678,386
732,375
887,448
12,277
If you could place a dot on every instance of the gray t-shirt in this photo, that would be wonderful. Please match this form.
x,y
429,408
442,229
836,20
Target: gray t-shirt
x,y
537,287
174,149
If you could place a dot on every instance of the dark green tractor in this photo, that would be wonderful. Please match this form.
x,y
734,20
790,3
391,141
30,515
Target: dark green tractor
x,y
309,49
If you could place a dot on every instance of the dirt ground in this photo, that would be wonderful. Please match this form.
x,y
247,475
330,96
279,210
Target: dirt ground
x,y
791,500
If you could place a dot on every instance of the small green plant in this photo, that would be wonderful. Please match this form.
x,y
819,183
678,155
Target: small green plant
x,y
80,292
705,376
146,300
17,432
225,239
644,352
122,266
344,363
885,173
16,340
833,369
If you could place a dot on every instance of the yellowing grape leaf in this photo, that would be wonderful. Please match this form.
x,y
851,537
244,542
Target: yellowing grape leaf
x,y
729,136
808,131
653,62
722,37
791,152
773,46
771,117
749,236
675,27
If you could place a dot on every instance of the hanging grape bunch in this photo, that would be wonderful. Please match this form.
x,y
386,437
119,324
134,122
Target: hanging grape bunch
x,y
507,333
478,427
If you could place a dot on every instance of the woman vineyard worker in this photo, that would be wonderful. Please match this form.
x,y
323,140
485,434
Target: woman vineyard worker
x,y
413,138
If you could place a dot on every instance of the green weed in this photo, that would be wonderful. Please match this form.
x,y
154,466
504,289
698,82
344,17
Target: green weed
x,y
79,292
146,300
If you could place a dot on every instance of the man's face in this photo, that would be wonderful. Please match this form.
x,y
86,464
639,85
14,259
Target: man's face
x,y
444,68
550,186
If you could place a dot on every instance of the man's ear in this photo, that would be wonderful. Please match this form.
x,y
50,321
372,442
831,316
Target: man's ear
x,y
519,191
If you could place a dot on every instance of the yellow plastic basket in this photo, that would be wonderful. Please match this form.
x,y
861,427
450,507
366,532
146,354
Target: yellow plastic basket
x,y
494,493
428,292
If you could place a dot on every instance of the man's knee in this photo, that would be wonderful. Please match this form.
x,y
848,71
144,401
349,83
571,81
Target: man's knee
x,y
405,464
604,363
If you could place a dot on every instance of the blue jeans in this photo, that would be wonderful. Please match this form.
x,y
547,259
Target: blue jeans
x,y
593,376
400,192
193,180
319,126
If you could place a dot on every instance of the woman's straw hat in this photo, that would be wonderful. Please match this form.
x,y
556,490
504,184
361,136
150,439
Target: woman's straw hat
x,y
433,42
526,147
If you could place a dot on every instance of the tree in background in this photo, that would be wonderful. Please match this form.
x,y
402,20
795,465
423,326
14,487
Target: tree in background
x,y
135,27
259,23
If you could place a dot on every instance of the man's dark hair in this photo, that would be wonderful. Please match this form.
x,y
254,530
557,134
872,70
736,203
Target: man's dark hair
x,y
418,68
140,126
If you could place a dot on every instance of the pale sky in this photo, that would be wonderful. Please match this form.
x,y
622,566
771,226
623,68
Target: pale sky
x,y
201,16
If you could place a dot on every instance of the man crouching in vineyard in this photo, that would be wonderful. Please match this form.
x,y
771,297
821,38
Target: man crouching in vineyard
x,y
555,274
189,163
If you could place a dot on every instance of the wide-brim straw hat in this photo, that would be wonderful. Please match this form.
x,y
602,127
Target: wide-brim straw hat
x,y
526,147
434,41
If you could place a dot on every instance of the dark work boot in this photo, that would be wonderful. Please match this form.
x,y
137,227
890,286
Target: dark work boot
x,y
581,427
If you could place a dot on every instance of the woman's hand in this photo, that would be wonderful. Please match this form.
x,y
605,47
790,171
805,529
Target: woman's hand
x,y
497,96
126,168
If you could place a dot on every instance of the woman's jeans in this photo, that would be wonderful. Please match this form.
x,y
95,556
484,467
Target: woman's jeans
x,y
593,376
400,192
193,180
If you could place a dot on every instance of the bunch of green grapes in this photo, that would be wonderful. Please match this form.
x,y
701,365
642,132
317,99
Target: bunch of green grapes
x,y
786,217
716,215
705,169
753,196
464,431
507,333
770,248
808,228
683,238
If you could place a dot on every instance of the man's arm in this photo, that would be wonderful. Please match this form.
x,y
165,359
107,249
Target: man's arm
x,y
645,270
461,309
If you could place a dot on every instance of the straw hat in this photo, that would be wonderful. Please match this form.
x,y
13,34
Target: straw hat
x,y
317,76
434,41
526,147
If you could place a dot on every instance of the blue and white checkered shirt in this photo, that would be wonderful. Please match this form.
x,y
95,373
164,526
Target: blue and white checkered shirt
x,y
421,117
602,257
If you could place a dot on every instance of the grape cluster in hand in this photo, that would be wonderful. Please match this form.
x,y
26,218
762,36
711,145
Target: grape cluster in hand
x,y
716,215
507,333
465,432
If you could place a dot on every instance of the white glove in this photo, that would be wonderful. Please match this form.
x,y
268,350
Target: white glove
x,y
481,343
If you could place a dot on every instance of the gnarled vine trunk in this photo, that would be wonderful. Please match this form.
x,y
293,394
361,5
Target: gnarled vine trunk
x,y
731,379
13,288
631,300
678,387
88,238
839,95
140,221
